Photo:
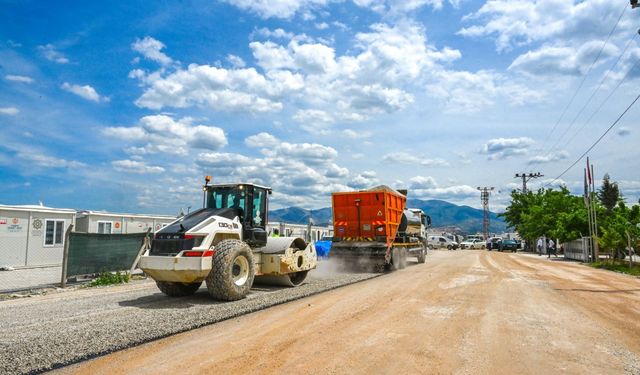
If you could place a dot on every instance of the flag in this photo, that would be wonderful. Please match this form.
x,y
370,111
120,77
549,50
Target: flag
x,y
589,172
586,189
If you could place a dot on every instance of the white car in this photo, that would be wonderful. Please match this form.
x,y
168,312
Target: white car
x,y
473,244
436,242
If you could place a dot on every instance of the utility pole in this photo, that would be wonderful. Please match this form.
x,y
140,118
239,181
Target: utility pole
x,y
526,177
484,198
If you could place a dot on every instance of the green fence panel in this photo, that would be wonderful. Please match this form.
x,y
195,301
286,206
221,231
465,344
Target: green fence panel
x,y
91,253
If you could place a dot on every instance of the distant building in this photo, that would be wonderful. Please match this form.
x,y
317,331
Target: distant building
x,y
301,230
33,235
115,223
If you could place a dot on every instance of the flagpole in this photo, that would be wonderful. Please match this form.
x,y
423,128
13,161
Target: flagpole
x,y
589,219
595,219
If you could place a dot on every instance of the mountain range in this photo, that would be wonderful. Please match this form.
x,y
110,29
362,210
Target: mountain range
x,y
443,214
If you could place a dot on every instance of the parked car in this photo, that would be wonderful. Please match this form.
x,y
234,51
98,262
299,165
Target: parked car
x,y
436,242
473,244
511,245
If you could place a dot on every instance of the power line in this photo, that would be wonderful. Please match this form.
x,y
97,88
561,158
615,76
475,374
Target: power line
x,y
604,102
596,142
526,177
585,76
593,94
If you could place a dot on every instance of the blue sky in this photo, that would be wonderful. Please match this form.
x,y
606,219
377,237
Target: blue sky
x,y
126,106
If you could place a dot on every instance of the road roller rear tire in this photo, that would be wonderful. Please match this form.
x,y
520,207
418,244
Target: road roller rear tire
x,y
233,271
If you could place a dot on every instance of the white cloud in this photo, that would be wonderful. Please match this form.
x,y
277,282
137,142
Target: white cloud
x,y
133,166
335,171
50,53
299,173
277,33
401,7
46,161
18,78
517,23
422,182
10,111
313,117
163,134
502,148
549,158
350,133
562,60
217,88
470,92
375,78
87,92
310,153
364,180
271,56
236,61
406,158
277,8
261,140
151,49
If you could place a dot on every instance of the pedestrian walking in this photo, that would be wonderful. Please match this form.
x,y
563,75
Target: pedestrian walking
x,y
551,248
539,246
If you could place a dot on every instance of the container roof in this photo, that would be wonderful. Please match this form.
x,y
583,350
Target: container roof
x,y
36,208
138,216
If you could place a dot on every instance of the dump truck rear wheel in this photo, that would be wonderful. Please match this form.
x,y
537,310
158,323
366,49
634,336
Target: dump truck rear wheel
x,y
422,256
395,259
403,258
178,289
233,271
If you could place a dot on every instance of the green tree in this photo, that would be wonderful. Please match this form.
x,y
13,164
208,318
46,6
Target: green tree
x,y
609,193
615,226
552,213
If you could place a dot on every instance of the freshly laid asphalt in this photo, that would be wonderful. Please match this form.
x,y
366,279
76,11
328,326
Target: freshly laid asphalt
x,y
44,332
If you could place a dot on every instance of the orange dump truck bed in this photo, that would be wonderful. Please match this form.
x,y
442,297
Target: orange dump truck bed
x,y
372,215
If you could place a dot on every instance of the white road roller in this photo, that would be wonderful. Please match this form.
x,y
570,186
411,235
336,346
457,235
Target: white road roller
x,y
226,245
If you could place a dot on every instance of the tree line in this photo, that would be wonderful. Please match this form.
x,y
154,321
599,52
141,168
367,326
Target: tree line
x,y
558,214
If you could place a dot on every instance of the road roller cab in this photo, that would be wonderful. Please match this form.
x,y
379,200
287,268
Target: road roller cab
x,y
225,243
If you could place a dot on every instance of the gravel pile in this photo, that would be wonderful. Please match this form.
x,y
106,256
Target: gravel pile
x,y
47,332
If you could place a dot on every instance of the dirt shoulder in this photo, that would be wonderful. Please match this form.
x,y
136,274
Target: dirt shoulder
x,y
466,312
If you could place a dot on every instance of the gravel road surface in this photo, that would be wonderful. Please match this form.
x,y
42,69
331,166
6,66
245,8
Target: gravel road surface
x,y
48,331
463,312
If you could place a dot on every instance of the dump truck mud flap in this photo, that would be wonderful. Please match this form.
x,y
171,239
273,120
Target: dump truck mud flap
x,y
356,250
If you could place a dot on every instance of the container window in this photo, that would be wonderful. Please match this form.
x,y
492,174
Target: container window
x,y
54,232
